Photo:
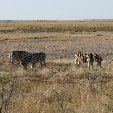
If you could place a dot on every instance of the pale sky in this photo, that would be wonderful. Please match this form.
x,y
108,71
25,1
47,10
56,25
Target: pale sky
x,y
55,9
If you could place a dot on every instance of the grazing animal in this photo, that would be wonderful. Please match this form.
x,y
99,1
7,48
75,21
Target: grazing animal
x,y
80,58
33,59
17,56
89,58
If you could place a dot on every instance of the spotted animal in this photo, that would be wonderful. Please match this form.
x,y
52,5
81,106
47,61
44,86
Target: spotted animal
x,y
80,58
88,58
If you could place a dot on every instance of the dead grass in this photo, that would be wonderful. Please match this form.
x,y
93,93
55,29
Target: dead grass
x,y
58,26
62,88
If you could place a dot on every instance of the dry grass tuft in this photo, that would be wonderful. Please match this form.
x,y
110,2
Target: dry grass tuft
x,y
61,88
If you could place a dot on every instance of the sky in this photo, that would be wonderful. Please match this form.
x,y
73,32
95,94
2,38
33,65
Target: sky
x,y
55,9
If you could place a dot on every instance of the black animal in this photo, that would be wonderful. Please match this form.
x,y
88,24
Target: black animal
x,y
33,59
18,56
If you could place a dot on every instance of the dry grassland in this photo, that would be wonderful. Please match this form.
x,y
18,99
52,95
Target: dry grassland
x,y
60,87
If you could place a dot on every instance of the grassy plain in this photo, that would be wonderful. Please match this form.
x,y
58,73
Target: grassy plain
x,y
60,87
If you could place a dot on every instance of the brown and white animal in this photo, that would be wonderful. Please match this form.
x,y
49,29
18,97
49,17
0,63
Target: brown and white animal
x,y
79,58
89,58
